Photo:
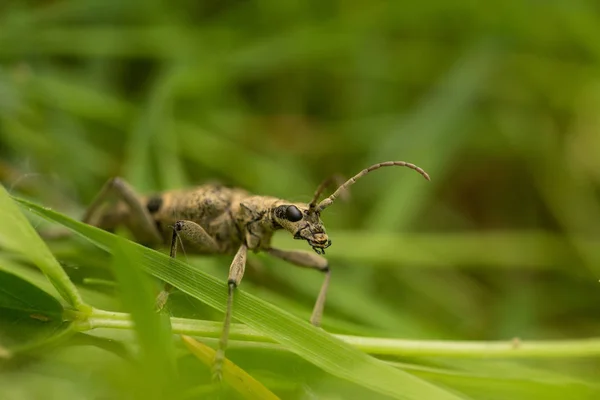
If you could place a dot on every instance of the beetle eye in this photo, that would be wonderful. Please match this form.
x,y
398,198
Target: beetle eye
x,y
293,214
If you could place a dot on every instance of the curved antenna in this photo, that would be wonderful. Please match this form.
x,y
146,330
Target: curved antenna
x,y
334,179
327,202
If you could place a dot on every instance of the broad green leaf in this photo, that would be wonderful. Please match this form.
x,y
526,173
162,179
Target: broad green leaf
x,y
20,295
308,342
17,235
37,278
29,317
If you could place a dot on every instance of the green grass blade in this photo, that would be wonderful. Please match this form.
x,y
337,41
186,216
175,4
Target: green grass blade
x,y
165,141
240,380
455,349
308,342
17,235
516,382
153,329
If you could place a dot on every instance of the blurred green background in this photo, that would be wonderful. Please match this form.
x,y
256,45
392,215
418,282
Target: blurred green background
x,y
498,101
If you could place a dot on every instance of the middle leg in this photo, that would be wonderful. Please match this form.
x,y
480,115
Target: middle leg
x,y
193,233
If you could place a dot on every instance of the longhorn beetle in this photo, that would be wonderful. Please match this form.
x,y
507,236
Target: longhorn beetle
x,y
214,219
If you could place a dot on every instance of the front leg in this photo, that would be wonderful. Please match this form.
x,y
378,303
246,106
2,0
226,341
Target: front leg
x,y
194,233
236,273
307,259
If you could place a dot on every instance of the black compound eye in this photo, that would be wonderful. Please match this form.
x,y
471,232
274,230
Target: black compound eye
x,y
293,214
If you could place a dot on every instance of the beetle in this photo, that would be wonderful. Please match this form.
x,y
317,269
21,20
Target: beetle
x,y
215,219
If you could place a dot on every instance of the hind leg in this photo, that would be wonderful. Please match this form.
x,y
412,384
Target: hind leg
x,y
139,216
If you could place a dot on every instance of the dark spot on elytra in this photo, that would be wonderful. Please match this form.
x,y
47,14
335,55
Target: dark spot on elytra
x,y
154,204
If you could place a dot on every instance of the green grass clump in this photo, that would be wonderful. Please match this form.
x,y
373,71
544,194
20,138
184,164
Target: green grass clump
x,y
481,284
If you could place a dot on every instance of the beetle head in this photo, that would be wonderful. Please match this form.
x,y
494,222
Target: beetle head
x,y
304,225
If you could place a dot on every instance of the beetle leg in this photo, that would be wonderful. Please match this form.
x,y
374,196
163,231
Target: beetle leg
x,y
307,259
139,214
236,273
193,233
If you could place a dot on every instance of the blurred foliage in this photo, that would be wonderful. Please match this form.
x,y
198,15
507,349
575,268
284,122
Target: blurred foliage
x,y
498,101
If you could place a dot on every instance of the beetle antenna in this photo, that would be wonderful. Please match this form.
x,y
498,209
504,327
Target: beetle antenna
x,y
334,179
329,200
